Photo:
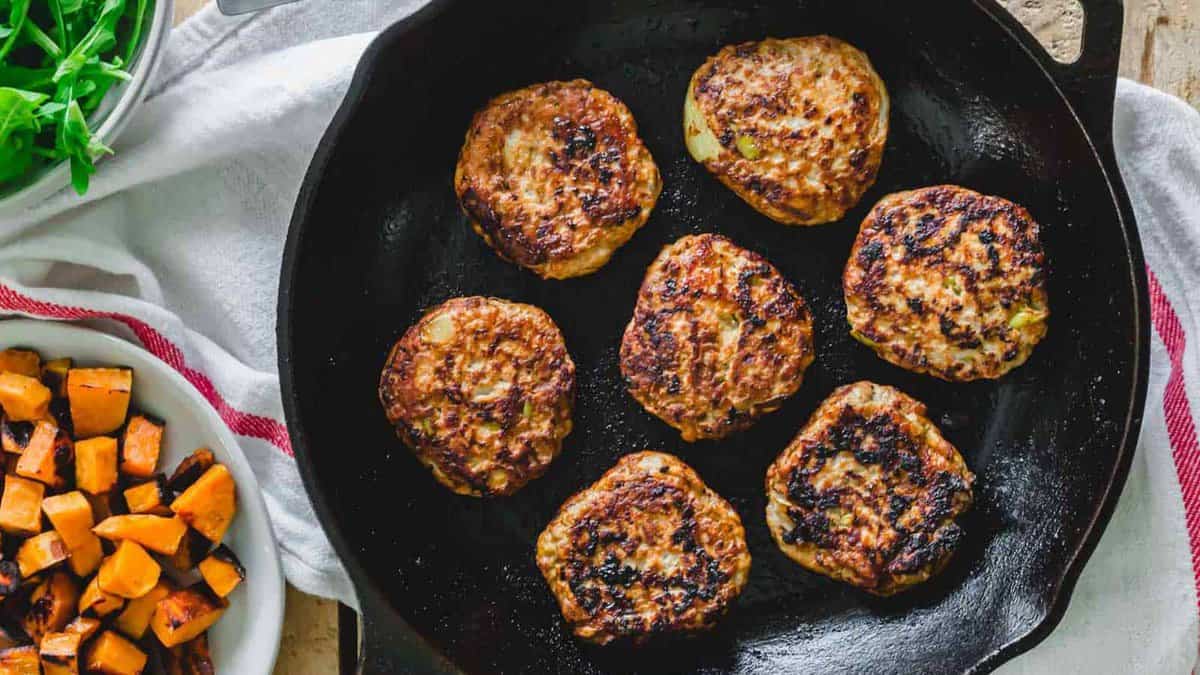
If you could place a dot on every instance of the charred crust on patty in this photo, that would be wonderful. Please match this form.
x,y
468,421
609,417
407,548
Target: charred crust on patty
x,y
648,549
869,491
718,338
555,178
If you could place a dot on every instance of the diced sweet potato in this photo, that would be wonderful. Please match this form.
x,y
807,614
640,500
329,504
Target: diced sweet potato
x,y
112,654
20,661
71,515
157,533
10,578
151,497
184,614
129,572
60,653
210,504
190,658
86,559
47,457
21,361
86,626
41,552
99,399
54,375
222,571
21,505
140,447
24,398
14,436
98,601
192,550
96,464
190,469
51,606
135,618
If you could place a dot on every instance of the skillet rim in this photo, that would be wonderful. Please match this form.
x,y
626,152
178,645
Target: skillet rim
x,y
1099,88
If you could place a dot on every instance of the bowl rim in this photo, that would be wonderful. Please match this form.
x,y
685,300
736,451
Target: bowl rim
x,y
131,354
129,98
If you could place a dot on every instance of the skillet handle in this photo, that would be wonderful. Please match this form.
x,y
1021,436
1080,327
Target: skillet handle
x,y
388,645
1090,82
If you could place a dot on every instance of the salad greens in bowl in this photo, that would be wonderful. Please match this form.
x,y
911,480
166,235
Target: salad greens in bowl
x,y
70,73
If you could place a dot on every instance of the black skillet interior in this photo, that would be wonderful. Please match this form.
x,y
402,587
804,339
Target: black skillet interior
x,y
378,236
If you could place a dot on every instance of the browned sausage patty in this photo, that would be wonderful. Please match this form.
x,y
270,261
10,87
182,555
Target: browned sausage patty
x,y
948,282
795,127
482,390
868,491
555,178
647,549
718,338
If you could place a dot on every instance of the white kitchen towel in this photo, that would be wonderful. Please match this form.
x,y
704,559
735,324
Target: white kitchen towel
x,y
178,246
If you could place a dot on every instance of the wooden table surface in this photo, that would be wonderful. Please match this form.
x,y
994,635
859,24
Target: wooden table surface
x,y
1161,48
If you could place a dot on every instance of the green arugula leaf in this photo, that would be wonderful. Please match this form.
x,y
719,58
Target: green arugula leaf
x,y
102,36
18,123
17,14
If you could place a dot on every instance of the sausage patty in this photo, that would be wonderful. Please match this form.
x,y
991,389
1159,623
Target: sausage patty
x,y
718,338
482,390
868,491
795,127
555,178
647,549
948,282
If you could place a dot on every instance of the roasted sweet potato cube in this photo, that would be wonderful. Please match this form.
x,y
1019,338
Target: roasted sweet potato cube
x,y
222,571
157,533
140,446
24,398
135,618
129,572
86,626
96,464
54,375
10,578
192,550
21,361
47,457
99,399
185,613
112,654
41,552
86,559
151,497
210,503
20,661
51,606
71,515
21,505
14,436
190,658
60,653
190,469
98,601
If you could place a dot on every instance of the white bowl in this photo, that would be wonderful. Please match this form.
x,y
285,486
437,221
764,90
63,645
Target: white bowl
x,y
246,639
110,119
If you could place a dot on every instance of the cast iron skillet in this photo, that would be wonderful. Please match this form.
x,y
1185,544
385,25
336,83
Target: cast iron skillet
x,y
448,583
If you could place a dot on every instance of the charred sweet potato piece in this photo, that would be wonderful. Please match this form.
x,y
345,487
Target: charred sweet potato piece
x,y
20,661
21,361
190,469
190,658
71,515
10,639
191,551
98,601
210,504
129,572
51,606
222,571
47,457
23,398
41,552
99,399
101,505
112,654
54,375
151,497
140,446
96,464
135,618
10,578
86,626
60,653
21,505
184,614
14,436
157,533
